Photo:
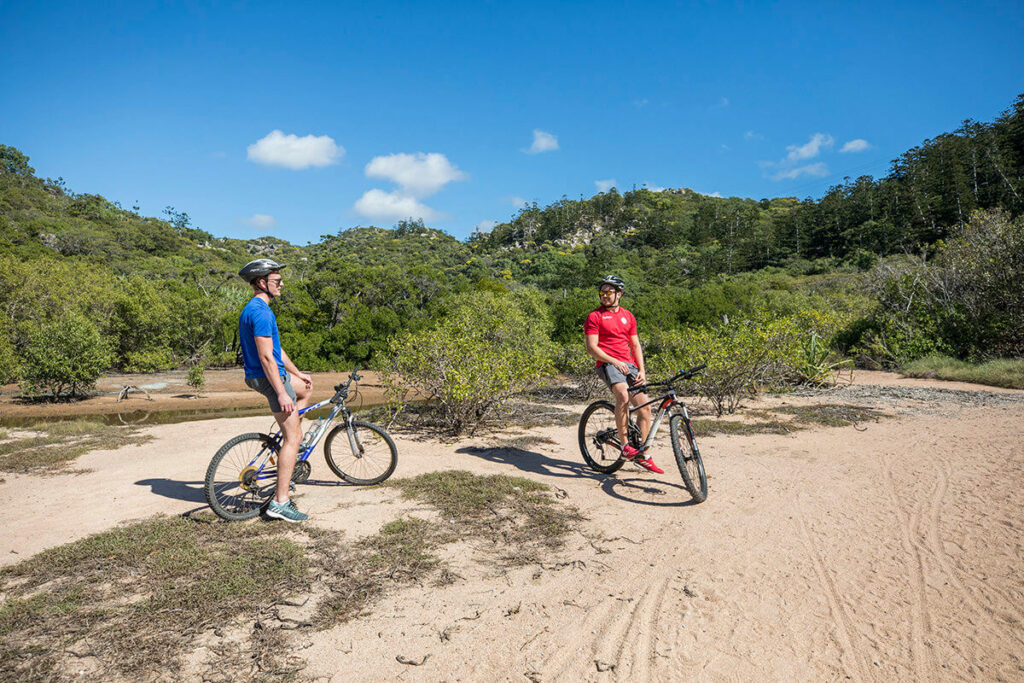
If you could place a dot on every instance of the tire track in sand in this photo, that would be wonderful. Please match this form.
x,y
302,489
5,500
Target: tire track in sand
x,y
634,657
604,617
842,620
622,640
933,541
919,622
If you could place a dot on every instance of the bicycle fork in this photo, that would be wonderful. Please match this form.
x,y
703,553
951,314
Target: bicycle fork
x,y
353,438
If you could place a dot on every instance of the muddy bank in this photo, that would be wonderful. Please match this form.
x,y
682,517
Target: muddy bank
x,y
166,397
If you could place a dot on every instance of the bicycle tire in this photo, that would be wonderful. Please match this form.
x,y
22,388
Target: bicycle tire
x,y
377,458
691,466
230,490
599,438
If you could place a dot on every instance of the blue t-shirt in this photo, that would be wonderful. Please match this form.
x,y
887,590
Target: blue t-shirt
x,y
257,320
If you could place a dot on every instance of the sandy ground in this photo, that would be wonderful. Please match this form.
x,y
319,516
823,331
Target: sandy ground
x,y
890,550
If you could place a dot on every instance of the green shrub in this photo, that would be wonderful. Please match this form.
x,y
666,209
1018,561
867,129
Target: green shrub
x,y
10,363
196,378
572,360
489,348
745,355
738,355
148,360
64,357
967,302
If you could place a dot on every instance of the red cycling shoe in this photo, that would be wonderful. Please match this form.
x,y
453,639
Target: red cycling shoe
x,y
630,453
649,465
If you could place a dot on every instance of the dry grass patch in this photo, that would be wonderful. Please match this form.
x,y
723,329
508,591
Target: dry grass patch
x,y
401,552
831,414
514,513
130,601
788,419
49,448
139,601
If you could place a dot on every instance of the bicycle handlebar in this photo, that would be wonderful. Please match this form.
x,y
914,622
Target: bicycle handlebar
x,y
682,374
353,377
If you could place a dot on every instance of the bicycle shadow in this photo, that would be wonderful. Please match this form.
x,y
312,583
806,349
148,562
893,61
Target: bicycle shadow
x,y
632,489
188,491
617,486
530,461
192,491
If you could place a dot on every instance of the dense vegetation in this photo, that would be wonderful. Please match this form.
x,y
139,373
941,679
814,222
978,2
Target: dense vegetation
x,y
924,260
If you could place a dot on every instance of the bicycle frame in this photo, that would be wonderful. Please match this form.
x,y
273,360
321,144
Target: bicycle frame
x,y
268,456
668,400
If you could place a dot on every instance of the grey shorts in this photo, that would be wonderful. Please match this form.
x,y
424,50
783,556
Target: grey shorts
x,y
611,375
263,385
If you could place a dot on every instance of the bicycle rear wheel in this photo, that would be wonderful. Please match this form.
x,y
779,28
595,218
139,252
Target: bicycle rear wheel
x,y
368,458
688,458
242,476
599,438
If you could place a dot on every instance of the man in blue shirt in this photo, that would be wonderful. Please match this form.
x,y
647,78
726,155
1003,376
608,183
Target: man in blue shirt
x,y
266,370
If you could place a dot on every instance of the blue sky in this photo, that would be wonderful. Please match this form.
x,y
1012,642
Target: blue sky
x,y
299,119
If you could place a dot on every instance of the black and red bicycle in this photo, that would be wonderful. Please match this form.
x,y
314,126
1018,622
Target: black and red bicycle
x,y
602,448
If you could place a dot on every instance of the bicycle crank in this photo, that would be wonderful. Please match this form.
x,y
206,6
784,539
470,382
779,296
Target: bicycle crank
x,y
302,472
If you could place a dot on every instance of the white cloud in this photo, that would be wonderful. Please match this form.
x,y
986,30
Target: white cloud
x,y
751,135
791,165
261,221
811,149
394,206
517,202
419,175
857,145
605,185
654,188
640,104
817,170
485,226
291,151
542,142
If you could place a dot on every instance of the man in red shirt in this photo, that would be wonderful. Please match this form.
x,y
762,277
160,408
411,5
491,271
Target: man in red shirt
x,y
610,332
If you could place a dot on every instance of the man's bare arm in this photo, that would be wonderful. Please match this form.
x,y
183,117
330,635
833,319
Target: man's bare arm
x,y
265,350
638,354
290,367
597,354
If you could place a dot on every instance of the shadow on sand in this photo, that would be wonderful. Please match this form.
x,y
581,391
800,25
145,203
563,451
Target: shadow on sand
x,y
622,485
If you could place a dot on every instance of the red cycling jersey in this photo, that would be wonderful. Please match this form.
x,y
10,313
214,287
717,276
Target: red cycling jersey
x,y
613,331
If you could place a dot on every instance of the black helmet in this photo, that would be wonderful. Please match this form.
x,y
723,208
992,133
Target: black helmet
x,y
261,267
613,280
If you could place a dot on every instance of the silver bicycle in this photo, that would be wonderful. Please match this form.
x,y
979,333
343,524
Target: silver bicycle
x,y
242,476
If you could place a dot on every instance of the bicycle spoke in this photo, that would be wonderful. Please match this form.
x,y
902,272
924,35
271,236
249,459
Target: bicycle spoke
x,y
366,455
240,477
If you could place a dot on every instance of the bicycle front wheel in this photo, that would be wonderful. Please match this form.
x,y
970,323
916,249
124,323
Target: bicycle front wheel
x,y
364,457
688,458
599,437
242,476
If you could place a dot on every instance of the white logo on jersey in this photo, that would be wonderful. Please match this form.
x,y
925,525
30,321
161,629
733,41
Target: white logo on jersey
x,y
623,319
